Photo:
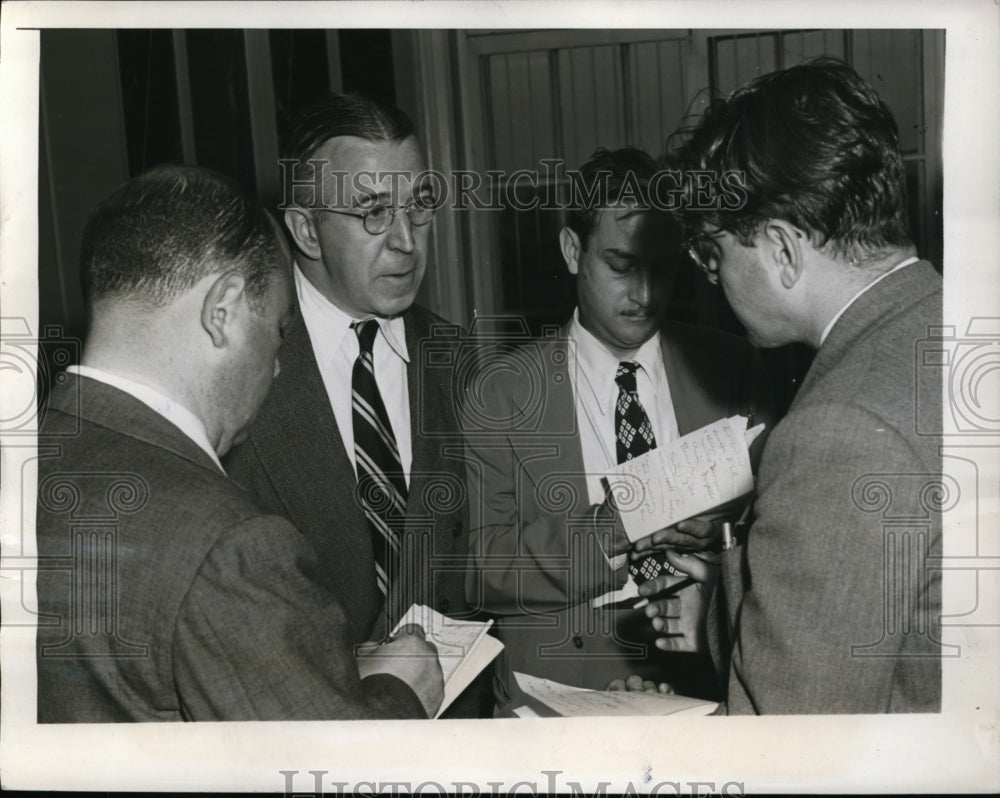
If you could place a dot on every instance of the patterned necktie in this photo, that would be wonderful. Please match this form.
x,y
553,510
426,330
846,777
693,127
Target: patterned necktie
x,y
381,484
633,437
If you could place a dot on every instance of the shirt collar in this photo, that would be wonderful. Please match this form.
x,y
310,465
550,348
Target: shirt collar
x,y
853,299
174,412
332,325
597,366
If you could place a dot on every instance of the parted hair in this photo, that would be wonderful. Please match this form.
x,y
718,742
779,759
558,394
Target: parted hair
x,y
160,233
817,147
345,115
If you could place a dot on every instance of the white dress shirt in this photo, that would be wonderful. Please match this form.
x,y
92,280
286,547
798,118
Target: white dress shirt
x,y
178,415
853,299
336,347
595,393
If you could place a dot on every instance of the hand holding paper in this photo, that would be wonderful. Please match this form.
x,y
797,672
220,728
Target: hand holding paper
x,y
410,658
688,477
463,647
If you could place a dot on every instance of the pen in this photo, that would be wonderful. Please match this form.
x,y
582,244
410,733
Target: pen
x,y
729,540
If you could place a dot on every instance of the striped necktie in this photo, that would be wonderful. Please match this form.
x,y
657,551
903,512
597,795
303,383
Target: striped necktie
x,y
633,437
381,483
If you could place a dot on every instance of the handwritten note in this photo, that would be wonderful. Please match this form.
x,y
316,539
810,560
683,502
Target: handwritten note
x,y
684,478
573,702
463,647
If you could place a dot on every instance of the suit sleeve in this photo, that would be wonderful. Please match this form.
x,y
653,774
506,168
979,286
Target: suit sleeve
x,y
832,608
258,639
525,553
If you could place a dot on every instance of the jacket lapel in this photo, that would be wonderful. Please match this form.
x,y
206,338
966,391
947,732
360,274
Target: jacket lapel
x,y
551,449
692,406
309,465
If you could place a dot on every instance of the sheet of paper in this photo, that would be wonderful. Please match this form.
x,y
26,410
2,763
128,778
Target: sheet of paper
x,y
683,478
464,648
573,702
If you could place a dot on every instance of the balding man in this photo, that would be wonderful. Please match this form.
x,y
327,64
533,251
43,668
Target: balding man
x,y
165,593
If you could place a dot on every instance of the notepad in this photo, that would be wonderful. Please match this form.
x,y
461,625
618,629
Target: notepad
x,y
576,702
689,476
463,647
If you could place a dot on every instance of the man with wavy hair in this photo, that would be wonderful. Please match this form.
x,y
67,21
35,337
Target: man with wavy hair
x,y
831,608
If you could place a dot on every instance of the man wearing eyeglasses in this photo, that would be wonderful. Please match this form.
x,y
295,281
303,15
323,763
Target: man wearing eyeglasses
x,y
337,446
833,600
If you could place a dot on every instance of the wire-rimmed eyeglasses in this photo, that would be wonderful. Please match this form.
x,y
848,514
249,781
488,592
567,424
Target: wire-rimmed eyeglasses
x,y
380,218
704,250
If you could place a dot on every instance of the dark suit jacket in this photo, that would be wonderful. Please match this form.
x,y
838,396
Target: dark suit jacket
x,y
165,593
295,464
831,600
535,559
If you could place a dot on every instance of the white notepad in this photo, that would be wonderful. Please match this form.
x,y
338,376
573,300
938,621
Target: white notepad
x,y
463,647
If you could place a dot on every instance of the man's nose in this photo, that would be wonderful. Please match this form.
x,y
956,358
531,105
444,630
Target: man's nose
x,y
277,368
401,232
642,290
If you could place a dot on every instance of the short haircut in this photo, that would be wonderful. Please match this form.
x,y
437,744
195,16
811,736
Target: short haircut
x,y
160,233
607,177
817,147
336,115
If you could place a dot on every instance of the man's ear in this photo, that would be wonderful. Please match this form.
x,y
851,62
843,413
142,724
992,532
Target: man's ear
x,y
787,246
569,245
302,226
223,304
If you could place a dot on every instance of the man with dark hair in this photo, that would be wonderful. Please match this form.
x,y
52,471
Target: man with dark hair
x,y
340,447
164,592
548,548
832,601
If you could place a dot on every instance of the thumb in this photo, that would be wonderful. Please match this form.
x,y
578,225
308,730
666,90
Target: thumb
x,y
411,629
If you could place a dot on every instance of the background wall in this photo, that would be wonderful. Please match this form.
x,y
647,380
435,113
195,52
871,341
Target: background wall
x,y
114,103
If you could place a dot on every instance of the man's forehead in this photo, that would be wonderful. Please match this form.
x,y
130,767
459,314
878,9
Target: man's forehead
x,y
628,219
352,154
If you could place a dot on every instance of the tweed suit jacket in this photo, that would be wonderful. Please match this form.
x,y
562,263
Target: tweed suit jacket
x,y
165,593
295,464
535,560
833,605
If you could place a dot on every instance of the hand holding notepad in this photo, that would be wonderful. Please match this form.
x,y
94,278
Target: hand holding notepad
x,y
684,478
463,647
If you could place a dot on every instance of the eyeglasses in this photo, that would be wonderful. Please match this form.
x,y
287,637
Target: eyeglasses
x,y
704,251
380,218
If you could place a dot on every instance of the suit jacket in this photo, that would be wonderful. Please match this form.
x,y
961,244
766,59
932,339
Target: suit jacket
x,y
832,605
294,463
536,562
165,593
